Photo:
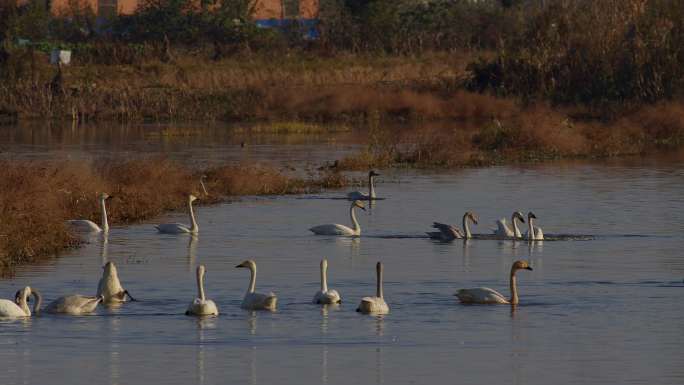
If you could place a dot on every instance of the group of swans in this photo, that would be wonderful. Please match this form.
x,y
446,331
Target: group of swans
x,y
252,300
503,231
533,233
109,291
88,226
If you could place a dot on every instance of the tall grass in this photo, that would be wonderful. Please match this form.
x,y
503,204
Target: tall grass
x,y
38,197
535,133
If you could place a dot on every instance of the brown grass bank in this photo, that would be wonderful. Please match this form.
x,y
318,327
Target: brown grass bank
x,y
37,197
535,133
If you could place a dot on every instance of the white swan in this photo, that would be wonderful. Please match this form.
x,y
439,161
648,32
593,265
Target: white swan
x,y
179,228
74,304
377,304
201,305
537,233
325,296
110,287
88,226
19,307
252,300
359,196
503,230
449,232
335,229
485,295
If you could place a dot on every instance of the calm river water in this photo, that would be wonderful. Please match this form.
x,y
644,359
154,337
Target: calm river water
x,y
607,310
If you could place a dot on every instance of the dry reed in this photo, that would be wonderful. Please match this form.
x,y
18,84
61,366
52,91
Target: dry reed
x,y
38,197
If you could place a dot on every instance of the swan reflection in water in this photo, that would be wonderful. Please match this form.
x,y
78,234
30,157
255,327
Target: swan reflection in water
x,y
203,324
192,251
114,350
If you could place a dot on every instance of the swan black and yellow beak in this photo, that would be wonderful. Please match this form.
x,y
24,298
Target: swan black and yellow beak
x,y
529,268
243,264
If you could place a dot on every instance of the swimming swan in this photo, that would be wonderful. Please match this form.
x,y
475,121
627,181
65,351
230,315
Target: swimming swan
x,y
179,228
485,295
110,287
503,230
359,196
74,304
325,296
537,233
252,300
19,307
201,305
88,226
335,229
377,304
449,233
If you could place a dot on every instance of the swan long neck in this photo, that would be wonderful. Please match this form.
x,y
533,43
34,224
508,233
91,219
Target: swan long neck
x,y
193,223
39,301
200,284
514,288
516,230
23,303
252,279
371,187
530,226
466,229
378,269
357,228
324,276
103,207
204,188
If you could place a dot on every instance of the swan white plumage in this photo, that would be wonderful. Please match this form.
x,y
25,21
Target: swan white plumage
x,y
201,305
325,295
336,229
485,295
19,307
537,233
252,300
88,226
74,304
110,287
449,232
359,196
503,230
377,304
179,228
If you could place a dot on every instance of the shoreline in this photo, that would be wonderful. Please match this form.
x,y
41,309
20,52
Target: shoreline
x,y
39,196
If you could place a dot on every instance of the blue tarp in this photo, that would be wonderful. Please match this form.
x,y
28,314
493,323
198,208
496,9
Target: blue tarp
x,y
308,26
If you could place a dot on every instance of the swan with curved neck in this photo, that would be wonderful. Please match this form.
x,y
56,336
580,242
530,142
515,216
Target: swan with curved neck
x,y
326,296
377,304
449,233
253,300
19,307
337,229
88,226
179,228
74,304
485,295
204,188
537,233
110,287
359,196
503,230
201,306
